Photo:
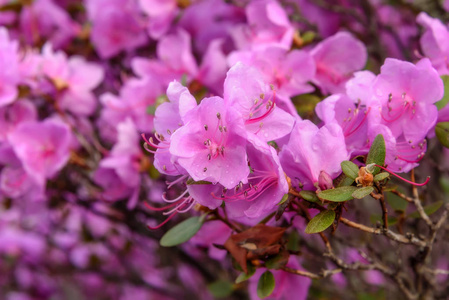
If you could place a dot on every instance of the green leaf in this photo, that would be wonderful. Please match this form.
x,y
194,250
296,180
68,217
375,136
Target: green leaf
x,y
381,176
321,221
429,209
243,276
221,288
308,37
343,180
284,198
350,169
182,232
266,284
443,102
361,193
151,109
309,196
339,194
190,181
377,153
442,133
305,104
396,202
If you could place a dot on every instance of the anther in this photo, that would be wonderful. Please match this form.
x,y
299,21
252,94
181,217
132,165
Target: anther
x,y
206,127
390,97
262,96
220,128
218,115
209,157
205,169
168,131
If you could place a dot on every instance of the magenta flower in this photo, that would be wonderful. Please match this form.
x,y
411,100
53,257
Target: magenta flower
x,y
312,150
45,19
246,91
288,72
161,14
170,116
117,25
212,145
9,68
42,147
336,58
351,117
74,78
435,42
268,25
266,184
404,97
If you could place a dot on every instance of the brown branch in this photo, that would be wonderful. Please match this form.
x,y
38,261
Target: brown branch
x,y
322,274
417,201
388,233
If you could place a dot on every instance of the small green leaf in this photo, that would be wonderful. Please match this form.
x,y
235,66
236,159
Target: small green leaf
x,y
361,193
309,196
350,169
305,104
151,109
396,202
266,284
377,153
442,133
443,102
339,194
243,276
182,232
321,221
429,209
381,176
284,198
308,37
343,180
221,288
190,181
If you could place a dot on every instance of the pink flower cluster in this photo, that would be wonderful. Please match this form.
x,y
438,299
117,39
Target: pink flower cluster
x,y
214,87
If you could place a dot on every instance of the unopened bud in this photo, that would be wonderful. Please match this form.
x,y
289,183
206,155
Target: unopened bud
x,y
325,181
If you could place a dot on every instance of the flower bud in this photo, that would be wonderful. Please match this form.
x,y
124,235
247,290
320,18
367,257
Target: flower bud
x,y
325,181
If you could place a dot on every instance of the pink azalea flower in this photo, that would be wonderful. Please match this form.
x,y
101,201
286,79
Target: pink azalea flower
x,y
268,25
74,77
124,159
336,59
288,72
404,97
212,144
435,42
161,14
42,147
9,68
266,184
45,19
246,91
117,25
312,150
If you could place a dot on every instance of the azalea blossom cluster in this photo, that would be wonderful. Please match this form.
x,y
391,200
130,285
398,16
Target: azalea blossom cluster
x,y
120,117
